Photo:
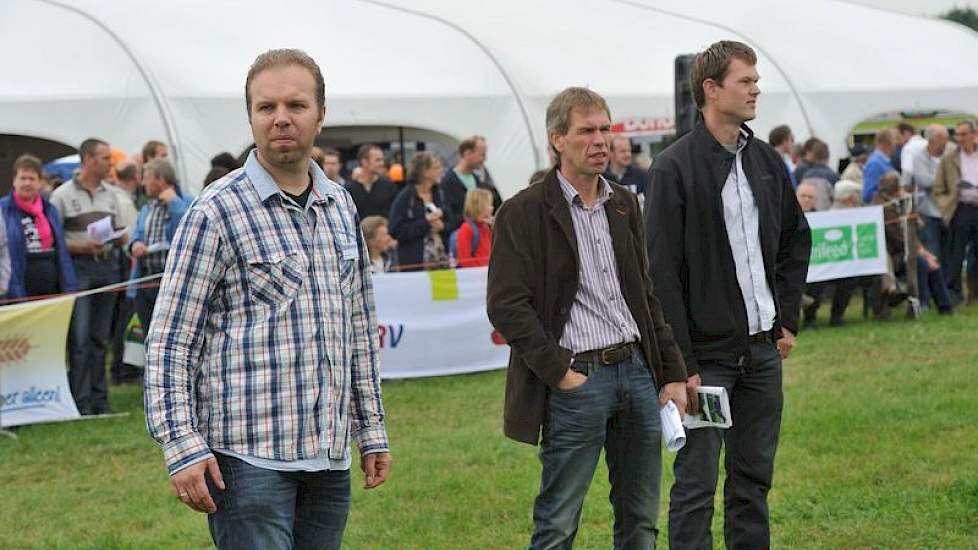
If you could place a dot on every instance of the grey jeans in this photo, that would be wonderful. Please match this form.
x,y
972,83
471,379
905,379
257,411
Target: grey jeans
x,y
756,400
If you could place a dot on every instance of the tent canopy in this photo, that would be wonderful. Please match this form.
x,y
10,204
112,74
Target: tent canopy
x,y
457,68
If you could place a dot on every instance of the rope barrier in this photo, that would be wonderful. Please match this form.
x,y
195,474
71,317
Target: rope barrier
x,y
152,281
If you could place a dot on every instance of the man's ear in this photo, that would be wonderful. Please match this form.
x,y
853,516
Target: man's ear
x,y
557,141
709,88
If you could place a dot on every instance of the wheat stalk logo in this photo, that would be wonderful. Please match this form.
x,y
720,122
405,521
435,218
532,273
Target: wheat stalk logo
x,y
14,349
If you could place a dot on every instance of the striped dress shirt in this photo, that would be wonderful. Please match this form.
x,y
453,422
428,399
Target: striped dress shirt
x,y
264,338
599,317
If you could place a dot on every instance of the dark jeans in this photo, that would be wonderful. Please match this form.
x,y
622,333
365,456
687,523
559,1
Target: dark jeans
x,y
964,234
936,238
617,409
931,284
755,405
91,321
121,314
270,510
145,304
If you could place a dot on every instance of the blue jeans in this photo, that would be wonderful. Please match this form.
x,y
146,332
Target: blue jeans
x,y
91,322
936,238
756,401
617,409
272,510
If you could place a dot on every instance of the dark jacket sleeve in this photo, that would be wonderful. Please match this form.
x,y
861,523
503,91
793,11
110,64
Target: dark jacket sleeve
x,y
673,366
665,222
453,195
793,254
510,297
402,228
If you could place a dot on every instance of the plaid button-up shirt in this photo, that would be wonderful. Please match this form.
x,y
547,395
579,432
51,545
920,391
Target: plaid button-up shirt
x,y
264,338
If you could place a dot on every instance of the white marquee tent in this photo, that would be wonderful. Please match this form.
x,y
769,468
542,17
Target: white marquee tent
x,y
174,70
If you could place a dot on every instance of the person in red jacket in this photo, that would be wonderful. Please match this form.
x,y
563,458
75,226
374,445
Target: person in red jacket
x,y
473,251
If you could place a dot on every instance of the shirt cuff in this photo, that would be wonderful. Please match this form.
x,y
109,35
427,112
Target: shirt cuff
x,y
185,451
372,439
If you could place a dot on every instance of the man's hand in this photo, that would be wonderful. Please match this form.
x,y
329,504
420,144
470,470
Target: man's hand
x,y
167,195
785,343
675,392
138,249
191,489
571,380
376,466
85,246
692,397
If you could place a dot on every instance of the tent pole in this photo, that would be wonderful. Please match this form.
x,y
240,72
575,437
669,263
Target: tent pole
x,y
161,106
400,139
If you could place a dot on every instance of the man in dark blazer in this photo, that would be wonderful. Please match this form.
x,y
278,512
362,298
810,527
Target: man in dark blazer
x,y
622,171
728,250
591,358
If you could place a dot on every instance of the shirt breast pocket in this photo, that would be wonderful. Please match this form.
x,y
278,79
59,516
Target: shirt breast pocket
x,y
275,277
348,257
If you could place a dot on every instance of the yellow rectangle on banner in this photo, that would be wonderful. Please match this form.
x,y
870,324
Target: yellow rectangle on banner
x,y
444,285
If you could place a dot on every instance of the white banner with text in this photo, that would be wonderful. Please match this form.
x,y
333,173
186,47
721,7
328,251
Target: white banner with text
x,y
33,379
846,243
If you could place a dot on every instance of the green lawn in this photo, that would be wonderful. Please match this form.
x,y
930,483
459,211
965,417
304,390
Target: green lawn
x,y
879,450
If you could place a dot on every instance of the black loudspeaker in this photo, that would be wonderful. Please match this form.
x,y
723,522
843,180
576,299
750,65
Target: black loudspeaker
x,y
686,111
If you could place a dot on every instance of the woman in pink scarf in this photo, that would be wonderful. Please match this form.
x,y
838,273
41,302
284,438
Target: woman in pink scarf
x,y
39,260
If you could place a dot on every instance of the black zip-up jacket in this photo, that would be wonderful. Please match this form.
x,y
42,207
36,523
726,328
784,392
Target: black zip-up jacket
x,y
690,260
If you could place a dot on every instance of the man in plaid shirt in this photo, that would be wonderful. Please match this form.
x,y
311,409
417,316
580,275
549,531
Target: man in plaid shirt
x,y
262,356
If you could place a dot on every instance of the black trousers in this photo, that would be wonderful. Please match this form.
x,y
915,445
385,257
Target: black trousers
x,y
756,401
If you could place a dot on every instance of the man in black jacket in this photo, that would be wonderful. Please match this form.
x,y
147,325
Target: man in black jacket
x,y
460,179
728,253
622,171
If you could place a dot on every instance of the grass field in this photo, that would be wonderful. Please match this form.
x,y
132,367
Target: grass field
x,y
879,449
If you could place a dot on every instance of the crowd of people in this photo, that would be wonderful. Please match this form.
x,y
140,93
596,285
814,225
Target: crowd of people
x,y
427,217
924,184
279,310
110,221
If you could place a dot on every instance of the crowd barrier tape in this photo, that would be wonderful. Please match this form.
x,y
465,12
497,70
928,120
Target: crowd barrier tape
x,y
430,323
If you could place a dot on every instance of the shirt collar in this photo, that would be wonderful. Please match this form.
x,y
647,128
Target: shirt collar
x,y
572,196
266,187
98,188
742,139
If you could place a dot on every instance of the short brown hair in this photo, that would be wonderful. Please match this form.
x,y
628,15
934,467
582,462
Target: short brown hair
x,y
713,64
820,151
476,200
149,150
88,147
363,153
330,152
559,110
277,58
28,162
468,144
370,225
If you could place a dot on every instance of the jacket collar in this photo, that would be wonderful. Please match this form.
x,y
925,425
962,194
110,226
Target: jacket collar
x,y
704,138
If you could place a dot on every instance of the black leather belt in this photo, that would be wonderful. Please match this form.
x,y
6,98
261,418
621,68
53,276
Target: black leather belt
x,y
765,337
608,356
